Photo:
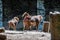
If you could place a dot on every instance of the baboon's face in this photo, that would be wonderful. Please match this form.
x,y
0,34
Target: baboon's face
x,y
17,19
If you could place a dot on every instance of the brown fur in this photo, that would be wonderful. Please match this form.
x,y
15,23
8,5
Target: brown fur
x,y
13,25
29,24
34,24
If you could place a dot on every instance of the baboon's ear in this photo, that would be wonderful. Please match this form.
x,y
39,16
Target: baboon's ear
x,y
22,15
41,17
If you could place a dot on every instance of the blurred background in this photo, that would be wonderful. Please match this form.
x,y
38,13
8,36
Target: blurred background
x,y
11,8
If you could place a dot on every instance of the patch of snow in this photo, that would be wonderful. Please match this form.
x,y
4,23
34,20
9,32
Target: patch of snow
x,y
27,35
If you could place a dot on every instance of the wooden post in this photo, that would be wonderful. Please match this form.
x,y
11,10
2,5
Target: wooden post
x,y
54,24
46,27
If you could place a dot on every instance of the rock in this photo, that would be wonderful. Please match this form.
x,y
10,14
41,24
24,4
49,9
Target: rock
x,y
2,30
2,37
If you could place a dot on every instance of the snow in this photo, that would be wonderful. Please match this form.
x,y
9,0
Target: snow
x,y
27,35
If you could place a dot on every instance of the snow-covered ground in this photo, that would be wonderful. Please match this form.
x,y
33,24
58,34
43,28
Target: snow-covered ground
x,y
27,35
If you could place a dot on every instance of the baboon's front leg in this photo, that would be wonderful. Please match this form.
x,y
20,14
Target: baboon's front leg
x,y
9,25
37,28
14,26
23,26
30,28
